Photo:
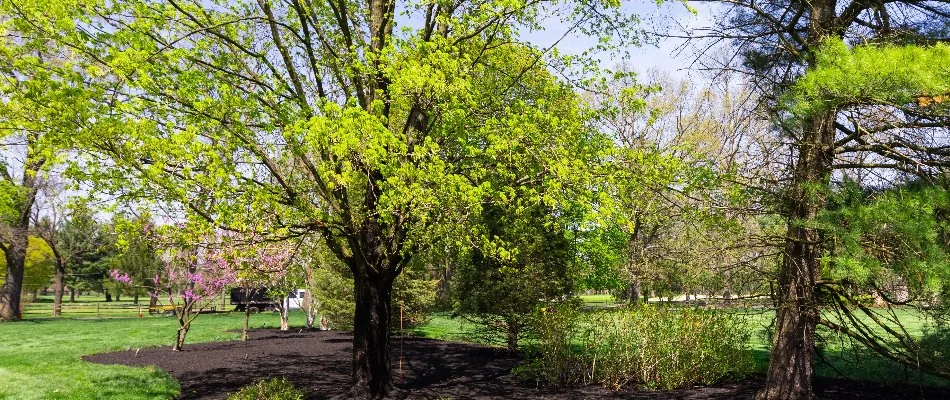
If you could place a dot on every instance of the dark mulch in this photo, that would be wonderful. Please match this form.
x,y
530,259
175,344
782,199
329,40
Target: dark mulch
x,y
319,363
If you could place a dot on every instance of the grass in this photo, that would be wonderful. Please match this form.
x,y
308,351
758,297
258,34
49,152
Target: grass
x,y
597,300
842,358
41,360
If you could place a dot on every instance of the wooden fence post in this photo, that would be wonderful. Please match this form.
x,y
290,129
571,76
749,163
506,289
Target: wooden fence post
x,y
97,310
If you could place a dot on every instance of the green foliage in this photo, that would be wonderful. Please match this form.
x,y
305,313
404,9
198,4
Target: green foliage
x,y
137,254
556,359
269,389
896,237
333,289
39,265
500,287
870,74
657,347
935,344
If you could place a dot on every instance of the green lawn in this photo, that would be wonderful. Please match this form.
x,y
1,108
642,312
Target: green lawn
x,y
40,358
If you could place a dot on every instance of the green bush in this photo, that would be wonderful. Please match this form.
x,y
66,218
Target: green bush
x,y
270,389
935,346
558,361
657,347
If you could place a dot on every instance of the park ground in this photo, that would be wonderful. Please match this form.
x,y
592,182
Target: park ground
x,y
46,361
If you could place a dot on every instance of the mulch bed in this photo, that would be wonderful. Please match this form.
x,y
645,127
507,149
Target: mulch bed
x,y
319,363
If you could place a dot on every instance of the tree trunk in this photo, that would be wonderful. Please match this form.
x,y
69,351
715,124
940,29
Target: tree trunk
x,y
72,295
372,369
108,296
512,330
118,296
310,307
790,365
184,323
634,290
59,285
247,323
283,310
135,298
13,284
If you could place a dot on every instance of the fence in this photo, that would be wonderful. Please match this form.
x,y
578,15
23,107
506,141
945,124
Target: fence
x,y
102,309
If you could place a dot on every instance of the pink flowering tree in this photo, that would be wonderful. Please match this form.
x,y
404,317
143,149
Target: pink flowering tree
x,y
193,275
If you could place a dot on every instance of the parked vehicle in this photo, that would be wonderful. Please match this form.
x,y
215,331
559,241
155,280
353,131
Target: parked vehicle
x,y
258,300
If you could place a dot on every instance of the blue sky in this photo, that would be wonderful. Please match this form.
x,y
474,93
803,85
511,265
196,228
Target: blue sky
x,y
662,56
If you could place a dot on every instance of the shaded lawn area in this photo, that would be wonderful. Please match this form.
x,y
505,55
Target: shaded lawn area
x,y
40,358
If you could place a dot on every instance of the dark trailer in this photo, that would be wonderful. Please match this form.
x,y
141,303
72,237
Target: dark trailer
x,y
256,299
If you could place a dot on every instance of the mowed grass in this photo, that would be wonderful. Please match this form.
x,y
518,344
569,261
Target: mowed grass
x,y
40,358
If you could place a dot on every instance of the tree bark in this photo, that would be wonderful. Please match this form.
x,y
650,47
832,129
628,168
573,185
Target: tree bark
x,y
372,369
59,286
512,330
634,290
283,311
790,365
13,284
72,295
247,323
310,307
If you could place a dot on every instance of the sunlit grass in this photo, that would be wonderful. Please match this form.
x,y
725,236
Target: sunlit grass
x,y
40,358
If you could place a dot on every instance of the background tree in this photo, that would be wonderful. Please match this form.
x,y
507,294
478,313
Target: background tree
x,y
39,266
37,117
501,287
137,256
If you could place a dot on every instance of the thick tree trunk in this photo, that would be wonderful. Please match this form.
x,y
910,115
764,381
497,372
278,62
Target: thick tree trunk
x,y
72,295
790,365
634,290
108,296
13,283
59,285
372,369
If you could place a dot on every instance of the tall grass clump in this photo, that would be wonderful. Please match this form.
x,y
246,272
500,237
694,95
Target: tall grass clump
x,y
655,347
270,389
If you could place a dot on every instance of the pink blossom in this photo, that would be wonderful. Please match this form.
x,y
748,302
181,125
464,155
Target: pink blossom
x,y
121,277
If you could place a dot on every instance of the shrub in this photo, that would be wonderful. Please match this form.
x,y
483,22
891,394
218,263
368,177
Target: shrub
x,y
270,389
935,346
557,358
657,347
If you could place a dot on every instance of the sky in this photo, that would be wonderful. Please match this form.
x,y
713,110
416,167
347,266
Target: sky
x,y
663,56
